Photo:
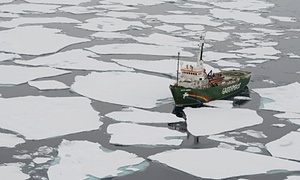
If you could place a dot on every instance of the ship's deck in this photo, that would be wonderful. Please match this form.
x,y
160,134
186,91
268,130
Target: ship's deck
x,y
235,73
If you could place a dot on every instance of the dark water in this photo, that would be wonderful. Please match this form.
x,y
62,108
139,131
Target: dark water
x,y
281,71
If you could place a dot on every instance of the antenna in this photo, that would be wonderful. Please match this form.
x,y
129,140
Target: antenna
x,y
202,37
178,66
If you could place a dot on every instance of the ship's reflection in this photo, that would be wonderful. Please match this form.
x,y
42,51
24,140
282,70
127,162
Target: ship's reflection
x,y
238,99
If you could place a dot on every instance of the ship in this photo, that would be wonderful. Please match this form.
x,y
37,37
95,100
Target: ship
x,y
194,86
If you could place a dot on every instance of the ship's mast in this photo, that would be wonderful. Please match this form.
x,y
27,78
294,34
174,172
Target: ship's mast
x,y
178,67
201,44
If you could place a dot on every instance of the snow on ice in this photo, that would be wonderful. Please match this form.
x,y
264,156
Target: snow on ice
x,y
282,98
48,85
92,160
10,140
35,40
286,147
74,59
13,171
210,162
125,88
39,117
142,116
226,118
13,75
135,134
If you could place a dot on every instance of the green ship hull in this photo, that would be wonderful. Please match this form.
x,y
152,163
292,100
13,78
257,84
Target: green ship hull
x,y
190,96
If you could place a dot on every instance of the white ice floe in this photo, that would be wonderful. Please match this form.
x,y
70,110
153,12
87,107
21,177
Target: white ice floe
x,y
8,56
112,35
193,6
223,138
35,40
200,162
41,160
168,28
194,27
39,117
288,115
268,81
256,134
283,18
253,150
166,40
257,61
125,88
230,63
202,121
78,10
23,156
282,98
74,59
241,98
10,140
278,125
6,1
84,160
13,75
65,2
295,121
220,103
286,147
110,24
13,171
142,116
134,2
272,32
267,43
216,36
258,52
248,5
250,36
48,85
244,44
292,55
292,177
226,146
248,17
185,19
36,20
166,66
179,12
124,14
214,56
135,134
8,15
224,28
26,8
115,7
135,48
